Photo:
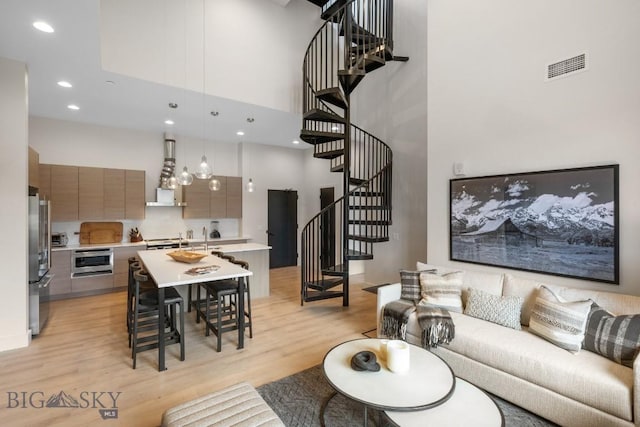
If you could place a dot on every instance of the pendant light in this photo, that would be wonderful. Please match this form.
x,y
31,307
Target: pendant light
x,y
250,186
214,184
185,177
204,170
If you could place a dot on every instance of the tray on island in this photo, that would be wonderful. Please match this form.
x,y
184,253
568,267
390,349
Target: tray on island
x,y
197,271
186,256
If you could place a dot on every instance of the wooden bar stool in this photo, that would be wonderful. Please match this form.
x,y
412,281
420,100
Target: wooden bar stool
x,y
247,291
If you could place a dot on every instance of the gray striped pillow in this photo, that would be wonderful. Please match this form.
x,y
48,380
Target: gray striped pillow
x,y
614,337
561,322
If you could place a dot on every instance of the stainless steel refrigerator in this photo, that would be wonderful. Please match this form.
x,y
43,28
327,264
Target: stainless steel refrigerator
x,y
39,261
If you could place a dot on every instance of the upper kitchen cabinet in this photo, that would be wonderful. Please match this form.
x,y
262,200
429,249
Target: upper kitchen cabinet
x,y
218,200
197,198
134,194
34,168
93,194
204,203
64,193
114,193
90,194
234,197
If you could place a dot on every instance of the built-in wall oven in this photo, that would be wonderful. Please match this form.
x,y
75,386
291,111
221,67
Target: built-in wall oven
x,y
91,262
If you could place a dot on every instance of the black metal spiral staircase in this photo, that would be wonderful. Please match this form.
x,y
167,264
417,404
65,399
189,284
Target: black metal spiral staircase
x,y
356,38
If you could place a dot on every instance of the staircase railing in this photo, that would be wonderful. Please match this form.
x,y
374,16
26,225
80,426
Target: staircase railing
x,y
356,34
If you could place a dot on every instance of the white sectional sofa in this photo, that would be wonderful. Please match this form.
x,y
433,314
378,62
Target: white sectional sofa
x,y
571,389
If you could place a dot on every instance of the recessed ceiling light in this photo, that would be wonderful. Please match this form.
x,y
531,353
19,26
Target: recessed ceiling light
x,y
168,122
295,141
239,133
110,82
214,113
64,83
73,107
43,26
173,105
250,119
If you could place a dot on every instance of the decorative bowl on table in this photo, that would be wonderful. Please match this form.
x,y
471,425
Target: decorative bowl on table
x,y
186,256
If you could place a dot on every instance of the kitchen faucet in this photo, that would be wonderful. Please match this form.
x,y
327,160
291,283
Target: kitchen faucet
x,y
204,232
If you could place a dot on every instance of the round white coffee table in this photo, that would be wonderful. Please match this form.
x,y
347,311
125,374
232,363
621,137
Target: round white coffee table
x,y
469,406
428,383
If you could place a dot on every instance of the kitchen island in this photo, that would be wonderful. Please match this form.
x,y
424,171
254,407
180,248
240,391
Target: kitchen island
x,y
257,255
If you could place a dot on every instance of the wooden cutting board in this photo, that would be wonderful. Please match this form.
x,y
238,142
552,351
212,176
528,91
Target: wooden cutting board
x,y
100,232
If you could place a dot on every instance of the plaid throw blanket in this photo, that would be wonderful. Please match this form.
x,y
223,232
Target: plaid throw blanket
x,y
435,322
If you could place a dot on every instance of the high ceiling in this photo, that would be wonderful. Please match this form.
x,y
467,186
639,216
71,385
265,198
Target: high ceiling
x,y
72,53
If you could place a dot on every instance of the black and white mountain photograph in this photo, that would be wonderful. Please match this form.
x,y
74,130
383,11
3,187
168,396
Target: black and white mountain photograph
x,y
561,222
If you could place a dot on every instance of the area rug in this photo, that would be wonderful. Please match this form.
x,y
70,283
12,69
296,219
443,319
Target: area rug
x,y
298,401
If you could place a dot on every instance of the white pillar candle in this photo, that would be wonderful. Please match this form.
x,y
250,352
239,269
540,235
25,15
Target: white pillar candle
x,y
383,349
398,356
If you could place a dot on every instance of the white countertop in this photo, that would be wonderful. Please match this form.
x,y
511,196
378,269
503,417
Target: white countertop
x,y
239,247
168,272
212,242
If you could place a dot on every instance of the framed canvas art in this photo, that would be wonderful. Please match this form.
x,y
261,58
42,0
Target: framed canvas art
x,y
561,222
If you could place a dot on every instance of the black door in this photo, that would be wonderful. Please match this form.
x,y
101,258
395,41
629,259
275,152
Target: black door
x,y
327,230
283,228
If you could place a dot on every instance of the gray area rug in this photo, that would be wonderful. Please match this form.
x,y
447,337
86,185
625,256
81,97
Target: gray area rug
x,y
298,401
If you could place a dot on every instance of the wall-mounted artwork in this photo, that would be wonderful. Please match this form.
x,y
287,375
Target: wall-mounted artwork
x,y
560,222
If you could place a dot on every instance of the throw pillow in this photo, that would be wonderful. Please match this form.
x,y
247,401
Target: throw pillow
x,y
410,285
614,337
561,322
443,291
503,310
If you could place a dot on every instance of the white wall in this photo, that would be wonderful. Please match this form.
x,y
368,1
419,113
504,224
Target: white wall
x,y
489,106
14,316
254,48
391,103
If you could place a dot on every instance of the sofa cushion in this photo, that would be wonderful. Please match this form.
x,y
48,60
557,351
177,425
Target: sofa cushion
x,y
586,377
504,311
443,291
410,285
488,282
525,288
561,322
616,338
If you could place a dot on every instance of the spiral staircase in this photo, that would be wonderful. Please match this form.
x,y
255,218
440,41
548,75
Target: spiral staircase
x,y
356,38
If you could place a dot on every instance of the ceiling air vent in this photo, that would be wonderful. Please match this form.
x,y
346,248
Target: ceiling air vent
x,y
567,66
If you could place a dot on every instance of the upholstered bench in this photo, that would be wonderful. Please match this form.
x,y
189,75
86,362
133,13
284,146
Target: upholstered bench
x,y
237,405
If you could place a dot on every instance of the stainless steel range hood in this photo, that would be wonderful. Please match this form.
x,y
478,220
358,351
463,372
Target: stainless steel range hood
x,y
166,197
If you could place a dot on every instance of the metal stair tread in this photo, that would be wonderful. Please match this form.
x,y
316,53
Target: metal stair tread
x,y
319,115
357,255
324,284
319,137
372,239
331,154
332,95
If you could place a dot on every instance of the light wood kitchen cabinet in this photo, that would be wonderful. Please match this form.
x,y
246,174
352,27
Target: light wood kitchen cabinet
x,y
93,194
61,270
218,200
114,194
197,198
134,194
121,264
64,193
234,197
204,203
34,168
90,194
45,181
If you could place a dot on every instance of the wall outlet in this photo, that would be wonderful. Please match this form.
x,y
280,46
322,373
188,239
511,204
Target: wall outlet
x,y
458,168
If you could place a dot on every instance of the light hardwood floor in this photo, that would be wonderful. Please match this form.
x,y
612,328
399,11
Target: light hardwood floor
x,y
84,349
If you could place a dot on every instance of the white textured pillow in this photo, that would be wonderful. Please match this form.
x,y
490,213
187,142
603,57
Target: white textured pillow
x,y
503,310
442,290
561,322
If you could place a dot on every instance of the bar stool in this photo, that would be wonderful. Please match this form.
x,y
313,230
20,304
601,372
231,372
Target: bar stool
x,y
145,332
247,291
135,265
219,297
198,303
